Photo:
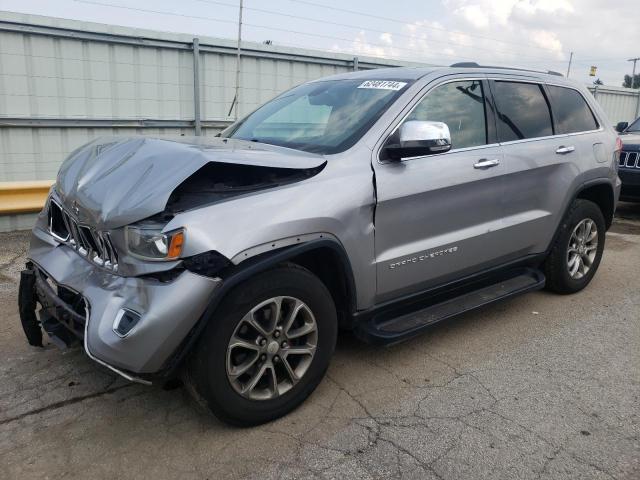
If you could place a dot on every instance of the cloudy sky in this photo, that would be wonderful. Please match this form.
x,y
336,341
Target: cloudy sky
x,y
536,34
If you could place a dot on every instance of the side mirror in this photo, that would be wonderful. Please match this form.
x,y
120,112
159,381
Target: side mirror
x,y
416,138
621,126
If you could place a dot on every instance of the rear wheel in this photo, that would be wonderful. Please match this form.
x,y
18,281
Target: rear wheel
x,y
267,347
577,251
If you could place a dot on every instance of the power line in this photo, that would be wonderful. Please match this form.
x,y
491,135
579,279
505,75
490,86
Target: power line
x,y
236,99
633,75
284,30
360,28
422,54
144,10
373,55
350,40
405,22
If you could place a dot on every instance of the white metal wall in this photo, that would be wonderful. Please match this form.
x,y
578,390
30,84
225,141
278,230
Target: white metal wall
x,y
620,104
36,153
260,80
65,78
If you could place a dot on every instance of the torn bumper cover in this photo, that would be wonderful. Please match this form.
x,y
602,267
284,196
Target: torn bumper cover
x,y
75,301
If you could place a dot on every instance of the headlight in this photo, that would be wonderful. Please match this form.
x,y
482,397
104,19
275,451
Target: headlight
x,y
151,244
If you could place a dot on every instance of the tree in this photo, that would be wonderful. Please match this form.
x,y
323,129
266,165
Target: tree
x,y
597,81
636,81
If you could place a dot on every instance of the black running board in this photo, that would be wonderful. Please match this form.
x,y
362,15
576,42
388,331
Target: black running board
x,y
397,322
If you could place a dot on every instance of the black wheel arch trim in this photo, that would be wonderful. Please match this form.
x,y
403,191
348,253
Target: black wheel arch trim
x,y
575,195
236,274
594,183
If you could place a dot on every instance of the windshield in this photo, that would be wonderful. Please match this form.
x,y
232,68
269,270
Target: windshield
x,y
634,127
321,117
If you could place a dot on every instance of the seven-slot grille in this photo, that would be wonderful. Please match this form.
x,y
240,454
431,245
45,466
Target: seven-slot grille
x,y
630,159
86,240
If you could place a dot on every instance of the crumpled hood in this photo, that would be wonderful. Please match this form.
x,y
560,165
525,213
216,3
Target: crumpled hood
x,y
115,181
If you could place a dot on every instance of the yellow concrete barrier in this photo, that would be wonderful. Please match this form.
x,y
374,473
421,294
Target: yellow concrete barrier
x,y
23,197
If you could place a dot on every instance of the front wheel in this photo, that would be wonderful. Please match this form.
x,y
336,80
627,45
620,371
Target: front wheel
x,y
577,251
266,348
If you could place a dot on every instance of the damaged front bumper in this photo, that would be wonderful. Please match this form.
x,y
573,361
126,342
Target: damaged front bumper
x,y
76,301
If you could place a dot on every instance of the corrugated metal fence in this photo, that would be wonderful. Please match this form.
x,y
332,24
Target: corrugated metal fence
x,y
621,104
65,82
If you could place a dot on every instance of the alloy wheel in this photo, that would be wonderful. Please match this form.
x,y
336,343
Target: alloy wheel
x,y
583,246
272,348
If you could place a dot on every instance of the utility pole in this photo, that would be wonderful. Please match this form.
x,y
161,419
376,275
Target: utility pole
x,y
633,75
569,67
197,124
236,100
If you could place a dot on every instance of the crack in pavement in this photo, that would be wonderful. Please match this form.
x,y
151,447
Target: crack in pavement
x,y
12,260
64,403
378,436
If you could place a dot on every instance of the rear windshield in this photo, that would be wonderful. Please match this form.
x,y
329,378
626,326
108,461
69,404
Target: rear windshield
x,y
320,117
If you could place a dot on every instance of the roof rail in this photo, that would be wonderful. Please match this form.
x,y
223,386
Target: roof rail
x,y
476,65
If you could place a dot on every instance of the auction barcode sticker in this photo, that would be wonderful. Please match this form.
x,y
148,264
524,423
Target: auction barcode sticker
x,y
382,84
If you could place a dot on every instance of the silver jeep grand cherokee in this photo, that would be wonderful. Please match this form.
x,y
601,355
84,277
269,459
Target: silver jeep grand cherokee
x,y
377,201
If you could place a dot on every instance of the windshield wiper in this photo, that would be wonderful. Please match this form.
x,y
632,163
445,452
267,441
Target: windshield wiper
x,y
258,140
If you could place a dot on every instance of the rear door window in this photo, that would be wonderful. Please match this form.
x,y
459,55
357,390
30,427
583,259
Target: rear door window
x,y
570,111
523,111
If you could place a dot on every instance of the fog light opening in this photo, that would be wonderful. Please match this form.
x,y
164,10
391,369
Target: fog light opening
x,y
125,321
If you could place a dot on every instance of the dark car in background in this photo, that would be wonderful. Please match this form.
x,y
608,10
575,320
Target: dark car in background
x,y
629,171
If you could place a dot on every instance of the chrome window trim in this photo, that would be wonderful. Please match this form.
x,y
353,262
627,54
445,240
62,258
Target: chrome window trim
x,y
456,150
550,137
493,77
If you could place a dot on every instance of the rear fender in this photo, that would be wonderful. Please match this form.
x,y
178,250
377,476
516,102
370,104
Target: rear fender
x,y
577,194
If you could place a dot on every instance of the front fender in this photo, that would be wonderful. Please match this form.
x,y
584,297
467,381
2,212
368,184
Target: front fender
x,y
338,202
243,271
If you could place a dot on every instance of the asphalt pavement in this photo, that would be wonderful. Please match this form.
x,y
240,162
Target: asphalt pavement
x,y
538,387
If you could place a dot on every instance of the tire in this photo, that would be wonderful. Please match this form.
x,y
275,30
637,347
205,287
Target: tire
x,y
211,365
556,266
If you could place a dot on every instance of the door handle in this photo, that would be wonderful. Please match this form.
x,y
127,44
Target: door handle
x,y
484,163
564,150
